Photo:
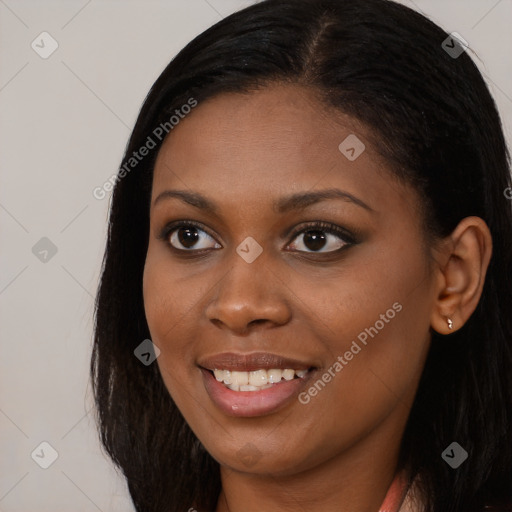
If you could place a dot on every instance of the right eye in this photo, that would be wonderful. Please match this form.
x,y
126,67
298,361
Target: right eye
x,y
188,237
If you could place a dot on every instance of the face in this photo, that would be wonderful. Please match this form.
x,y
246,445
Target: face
x,y
291,265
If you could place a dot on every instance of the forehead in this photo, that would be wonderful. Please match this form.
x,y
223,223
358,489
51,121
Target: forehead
x,y
277,140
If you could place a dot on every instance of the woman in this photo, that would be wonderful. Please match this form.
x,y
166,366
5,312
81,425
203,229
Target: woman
x,y
310,226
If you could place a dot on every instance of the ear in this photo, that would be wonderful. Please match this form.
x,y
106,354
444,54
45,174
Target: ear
x,y
464,257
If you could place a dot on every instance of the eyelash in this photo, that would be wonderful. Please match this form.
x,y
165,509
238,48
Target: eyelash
x,y
326,227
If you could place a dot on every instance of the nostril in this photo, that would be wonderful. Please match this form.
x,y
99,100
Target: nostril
x,y
258,321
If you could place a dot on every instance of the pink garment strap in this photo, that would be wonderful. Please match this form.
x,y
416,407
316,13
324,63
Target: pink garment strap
x,y
395,495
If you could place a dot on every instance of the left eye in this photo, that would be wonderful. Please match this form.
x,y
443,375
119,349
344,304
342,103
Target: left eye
x,y
315,240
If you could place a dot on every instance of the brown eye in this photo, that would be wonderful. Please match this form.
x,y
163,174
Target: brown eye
x,y
315,240
188,237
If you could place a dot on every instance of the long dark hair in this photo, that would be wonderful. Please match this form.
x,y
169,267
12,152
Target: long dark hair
x,y
437,125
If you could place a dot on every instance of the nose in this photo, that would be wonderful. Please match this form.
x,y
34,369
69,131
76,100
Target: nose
x,y
249,295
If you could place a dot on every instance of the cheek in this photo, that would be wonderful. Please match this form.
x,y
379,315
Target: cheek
x,y
169,297
171,302
364,296
376,318
383,356
166,305
159,301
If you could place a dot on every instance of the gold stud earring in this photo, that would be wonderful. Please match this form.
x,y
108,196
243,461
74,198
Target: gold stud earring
x,y
450,323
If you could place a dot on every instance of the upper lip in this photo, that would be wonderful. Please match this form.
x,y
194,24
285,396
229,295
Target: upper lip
x,y
251,362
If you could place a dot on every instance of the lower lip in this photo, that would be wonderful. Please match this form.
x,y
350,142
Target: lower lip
x,y
252,403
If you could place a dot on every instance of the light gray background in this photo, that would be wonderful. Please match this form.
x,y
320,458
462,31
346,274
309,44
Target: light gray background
x,y
64,124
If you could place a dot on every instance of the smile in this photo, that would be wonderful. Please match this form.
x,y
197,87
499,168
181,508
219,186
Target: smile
x,y
256,384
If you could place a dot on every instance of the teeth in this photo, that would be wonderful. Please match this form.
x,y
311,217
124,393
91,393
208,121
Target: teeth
x,y
249,388
256,380
274,375
288,374
240,378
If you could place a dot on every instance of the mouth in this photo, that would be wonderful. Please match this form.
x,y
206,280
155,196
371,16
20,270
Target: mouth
x,y
256,384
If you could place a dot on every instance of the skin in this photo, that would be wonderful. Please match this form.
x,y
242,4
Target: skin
x,y
339,451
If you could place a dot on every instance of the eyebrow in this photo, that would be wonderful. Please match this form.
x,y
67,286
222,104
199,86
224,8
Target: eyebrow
x,y
285,204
